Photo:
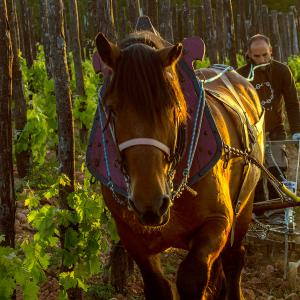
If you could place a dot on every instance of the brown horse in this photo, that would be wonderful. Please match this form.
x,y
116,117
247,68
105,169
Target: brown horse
x,y
146,102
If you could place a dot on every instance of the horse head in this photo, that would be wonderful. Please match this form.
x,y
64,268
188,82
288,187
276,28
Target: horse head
x,y
147,107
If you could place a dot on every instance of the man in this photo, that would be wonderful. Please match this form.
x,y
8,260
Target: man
x,y
276,89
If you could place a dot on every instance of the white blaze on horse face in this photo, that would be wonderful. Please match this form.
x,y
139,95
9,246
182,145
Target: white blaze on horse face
x,y
260,52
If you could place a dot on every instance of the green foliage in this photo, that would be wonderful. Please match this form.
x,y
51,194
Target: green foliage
x,y
279,5
39,132
85,229
68,243
13,271
205,63
294,64
85,106
241,60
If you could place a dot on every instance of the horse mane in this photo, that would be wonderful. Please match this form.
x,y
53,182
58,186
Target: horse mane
x,y
140,79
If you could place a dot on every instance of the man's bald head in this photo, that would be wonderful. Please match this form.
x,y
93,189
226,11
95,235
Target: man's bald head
x,y
259,49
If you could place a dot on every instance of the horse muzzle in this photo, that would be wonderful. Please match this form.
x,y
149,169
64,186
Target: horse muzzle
x,y
151,216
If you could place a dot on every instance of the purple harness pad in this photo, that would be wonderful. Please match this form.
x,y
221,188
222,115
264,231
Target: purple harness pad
x,y
209,147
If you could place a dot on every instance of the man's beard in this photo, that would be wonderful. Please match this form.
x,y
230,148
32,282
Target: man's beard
x,y
264,67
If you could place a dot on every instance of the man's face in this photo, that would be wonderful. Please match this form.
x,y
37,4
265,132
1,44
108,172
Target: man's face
x,y
260,52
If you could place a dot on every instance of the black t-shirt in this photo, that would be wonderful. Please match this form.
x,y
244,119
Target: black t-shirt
x,y
275,87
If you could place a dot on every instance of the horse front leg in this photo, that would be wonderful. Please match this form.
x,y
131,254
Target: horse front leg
x,y
233,263
194,272
156,286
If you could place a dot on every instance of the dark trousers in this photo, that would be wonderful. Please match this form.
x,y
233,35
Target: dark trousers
x,y
275,158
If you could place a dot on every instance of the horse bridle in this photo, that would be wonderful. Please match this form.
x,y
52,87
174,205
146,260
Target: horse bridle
x,y
173,155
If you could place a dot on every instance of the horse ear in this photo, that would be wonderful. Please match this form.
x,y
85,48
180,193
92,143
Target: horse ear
x,y
108,51
170,55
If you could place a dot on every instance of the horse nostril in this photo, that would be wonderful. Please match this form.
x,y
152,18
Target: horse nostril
x,y
165,204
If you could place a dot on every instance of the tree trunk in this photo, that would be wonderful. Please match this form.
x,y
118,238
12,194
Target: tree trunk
x,y
67,40
275,37
231,44
174,21
210,33
45,36
153,12
26,32
283,36
64,112
165,24
265,20
20,108
294,36
32,32
7,195
186,18
200,22
132,13
76,50
107,21
179,23
220,31
17,27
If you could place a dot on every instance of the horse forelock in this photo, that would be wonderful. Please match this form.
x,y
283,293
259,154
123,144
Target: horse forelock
x,y
141,82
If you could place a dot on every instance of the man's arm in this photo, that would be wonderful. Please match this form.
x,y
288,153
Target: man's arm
x,y
292,103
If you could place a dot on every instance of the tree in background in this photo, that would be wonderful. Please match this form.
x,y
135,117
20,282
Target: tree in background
x,y
26,32
45,36
64,112
20,108
76,51
7,195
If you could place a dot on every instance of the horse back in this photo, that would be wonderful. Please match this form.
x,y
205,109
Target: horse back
x,y
234,104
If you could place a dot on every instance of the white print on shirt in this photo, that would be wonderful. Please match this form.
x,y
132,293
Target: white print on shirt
x,y
264,103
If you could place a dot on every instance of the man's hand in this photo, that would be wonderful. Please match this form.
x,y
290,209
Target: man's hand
x,y
296,136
